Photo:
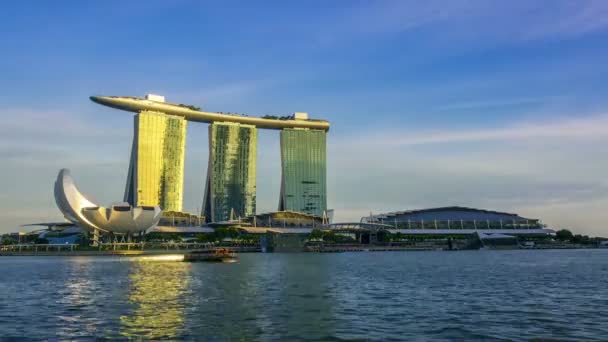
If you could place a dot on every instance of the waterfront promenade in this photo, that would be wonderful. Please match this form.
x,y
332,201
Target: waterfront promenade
x,y
109,249
168,248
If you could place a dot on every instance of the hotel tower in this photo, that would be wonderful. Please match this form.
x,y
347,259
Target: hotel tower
x,y
156,169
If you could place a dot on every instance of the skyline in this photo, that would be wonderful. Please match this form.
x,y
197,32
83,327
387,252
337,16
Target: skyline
x,y
503,113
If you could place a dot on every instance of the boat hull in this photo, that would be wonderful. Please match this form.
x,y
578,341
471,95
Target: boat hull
x,y
220,255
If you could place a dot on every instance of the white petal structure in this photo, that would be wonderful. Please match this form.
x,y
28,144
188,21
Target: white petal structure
x,y
121,218
70,201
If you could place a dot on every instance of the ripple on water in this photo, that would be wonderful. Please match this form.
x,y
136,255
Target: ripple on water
x,y
480,295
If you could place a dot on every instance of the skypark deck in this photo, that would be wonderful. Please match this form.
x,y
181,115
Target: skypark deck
x,y
135,104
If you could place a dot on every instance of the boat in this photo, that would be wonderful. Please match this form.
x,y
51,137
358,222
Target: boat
x,y
213,255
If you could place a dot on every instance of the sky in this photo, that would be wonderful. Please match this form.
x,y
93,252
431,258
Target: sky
x,y
491,104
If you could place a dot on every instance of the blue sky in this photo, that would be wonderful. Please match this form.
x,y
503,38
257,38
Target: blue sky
x,y
492,104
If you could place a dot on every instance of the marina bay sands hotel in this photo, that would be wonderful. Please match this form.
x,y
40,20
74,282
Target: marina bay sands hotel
x,y
156,168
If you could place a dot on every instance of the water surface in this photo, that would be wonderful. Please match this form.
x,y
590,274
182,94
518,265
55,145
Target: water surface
x,y
503,295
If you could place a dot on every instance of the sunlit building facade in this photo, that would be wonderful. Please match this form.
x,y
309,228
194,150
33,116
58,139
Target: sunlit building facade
x,y
156,169
304,171
230,189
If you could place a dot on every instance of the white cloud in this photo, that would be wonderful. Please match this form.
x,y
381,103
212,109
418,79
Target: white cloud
x,y
494,103
586,128
570,19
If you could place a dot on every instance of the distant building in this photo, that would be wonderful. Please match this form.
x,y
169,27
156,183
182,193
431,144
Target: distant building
x,y
304,171
453,218
285,219
156,169
231,176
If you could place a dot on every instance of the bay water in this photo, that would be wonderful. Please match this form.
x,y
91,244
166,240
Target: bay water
x,y
463,295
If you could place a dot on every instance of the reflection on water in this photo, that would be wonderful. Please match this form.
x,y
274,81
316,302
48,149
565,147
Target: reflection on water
x,y
158,290
79,293
168,257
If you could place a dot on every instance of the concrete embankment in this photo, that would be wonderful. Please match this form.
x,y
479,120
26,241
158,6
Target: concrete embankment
x,y
338,249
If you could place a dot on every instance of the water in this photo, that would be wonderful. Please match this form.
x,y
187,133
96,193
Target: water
x,y
467,295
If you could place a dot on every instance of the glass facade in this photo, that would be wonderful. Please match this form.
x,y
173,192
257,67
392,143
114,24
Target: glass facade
x,y
156,170
303,161
231,174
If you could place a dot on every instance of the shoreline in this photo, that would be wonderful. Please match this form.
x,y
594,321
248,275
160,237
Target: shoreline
x,y
152,252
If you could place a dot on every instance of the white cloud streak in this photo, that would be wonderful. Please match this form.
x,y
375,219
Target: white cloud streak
x,y
572,18
506,20
586,128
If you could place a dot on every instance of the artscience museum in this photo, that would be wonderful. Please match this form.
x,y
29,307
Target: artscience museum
x,y
120,218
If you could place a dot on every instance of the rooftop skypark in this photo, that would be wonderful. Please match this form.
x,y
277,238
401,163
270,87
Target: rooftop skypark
x,y
191,113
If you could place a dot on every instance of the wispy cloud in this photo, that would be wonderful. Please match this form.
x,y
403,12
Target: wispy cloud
x,y
32,124
227,91
495,103
400,16
42,137
587,128
508,20
570,19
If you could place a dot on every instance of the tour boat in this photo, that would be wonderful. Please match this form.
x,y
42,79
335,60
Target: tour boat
x,y
213,255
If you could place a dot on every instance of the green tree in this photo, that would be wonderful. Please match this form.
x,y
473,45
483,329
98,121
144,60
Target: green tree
x,y
153,236
384,236
397,237
205,238
340,238
7,240
190,107
583,239
225,233
329,236
564,235
315,234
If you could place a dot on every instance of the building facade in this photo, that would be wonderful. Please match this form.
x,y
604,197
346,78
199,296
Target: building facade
x,y
230,188
453,218
304,171
156,169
